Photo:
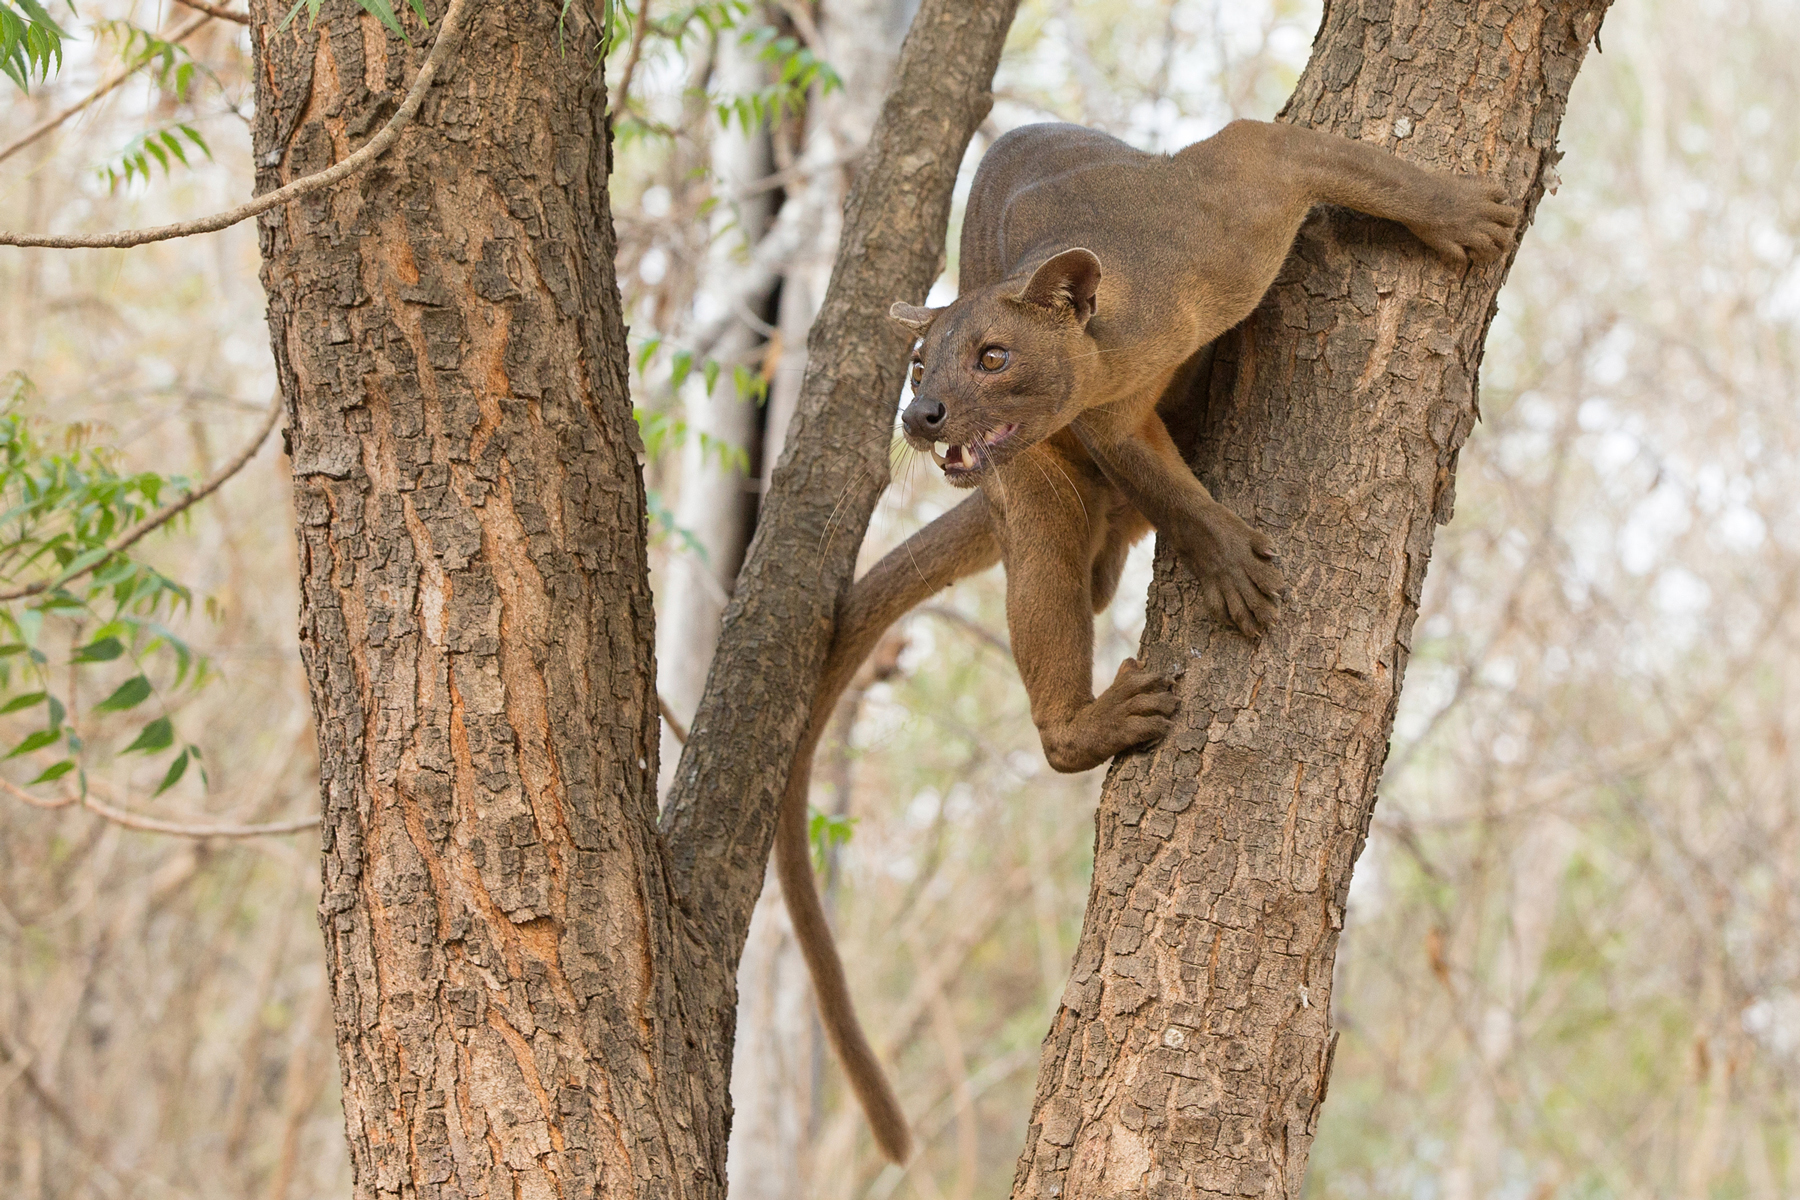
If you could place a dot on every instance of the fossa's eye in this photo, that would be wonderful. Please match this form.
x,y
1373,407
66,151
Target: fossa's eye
x,y
918,372
993,358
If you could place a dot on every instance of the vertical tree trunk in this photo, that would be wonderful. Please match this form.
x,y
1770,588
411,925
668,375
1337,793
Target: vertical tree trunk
x,y
1191,1053
476,621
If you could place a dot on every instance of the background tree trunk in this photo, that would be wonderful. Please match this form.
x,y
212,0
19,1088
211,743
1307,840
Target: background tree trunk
x,y
476,622
1192,1050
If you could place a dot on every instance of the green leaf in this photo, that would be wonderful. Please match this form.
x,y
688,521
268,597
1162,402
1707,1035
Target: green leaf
x,y
55,771
680,368
57,713
711,373
176,770
36,741
157,735
28,700
130,694
104,650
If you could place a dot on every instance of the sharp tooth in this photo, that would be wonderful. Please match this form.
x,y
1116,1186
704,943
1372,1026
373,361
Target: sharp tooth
x,y
938,455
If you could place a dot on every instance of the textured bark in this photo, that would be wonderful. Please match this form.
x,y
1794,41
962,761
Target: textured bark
x,y
1192,1050
722,804
525,1005
476,623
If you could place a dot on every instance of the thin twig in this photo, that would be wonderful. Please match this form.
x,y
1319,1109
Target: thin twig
x,y
671,720
162,516
19,793
449,37
105,86
638,31
799,171
180,829
213,10
156,825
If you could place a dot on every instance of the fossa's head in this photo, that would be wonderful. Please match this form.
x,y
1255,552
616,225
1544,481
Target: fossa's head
x,y
995,372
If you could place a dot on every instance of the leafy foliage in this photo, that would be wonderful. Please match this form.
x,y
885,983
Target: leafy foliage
x,y
795,69
158,145
60,511
169,63
827,831
29,42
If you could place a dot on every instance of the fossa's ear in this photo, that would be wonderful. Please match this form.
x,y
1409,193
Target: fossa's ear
x,y
912,316
1066,283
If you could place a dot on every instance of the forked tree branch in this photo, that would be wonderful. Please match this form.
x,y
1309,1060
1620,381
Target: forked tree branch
x,y
449,37
721,810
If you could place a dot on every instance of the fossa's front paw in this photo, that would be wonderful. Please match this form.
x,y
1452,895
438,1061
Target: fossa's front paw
x,y
1468,218
1138,707
1240,581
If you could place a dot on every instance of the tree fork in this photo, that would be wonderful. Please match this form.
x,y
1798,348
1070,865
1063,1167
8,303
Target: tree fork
x,y
1192,1050
534,991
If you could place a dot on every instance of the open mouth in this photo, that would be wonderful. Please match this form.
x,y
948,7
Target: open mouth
x,y
970,456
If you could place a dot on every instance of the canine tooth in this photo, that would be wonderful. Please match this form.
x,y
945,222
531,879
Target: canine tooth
x,y
938,455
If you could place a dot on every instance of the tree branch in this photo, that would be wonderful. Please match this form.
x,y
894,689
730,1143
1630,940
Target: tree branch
x,y
161,516
213,10
722,806
449,37
119,816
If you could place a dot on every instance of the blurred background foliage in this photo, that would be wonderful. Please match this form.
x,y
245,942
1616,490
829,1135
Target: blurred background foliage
x,y
1571,966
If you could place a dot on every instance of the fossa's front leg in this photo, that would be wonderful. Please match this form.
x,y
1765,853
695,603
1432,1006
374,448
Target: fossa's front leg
x,y
1049,557
1240,580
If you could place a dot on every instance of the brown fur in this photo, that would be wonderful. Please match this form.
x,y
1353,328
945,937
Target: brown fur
x,y
1092,277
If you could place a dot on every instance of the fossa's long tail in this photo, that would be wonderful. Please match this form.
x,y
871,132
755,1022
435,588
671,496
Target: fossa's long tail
x,y
958,543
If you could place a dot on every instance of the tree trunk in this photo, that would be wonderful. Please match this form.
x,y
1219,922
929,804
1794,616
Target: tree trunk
x,y
526,1003
1192,1049
476,623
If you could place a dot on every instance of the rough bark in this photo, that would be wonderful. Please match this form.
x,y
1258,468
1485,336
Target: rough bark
x,y
721,808
476,622
525,1003
1192,1050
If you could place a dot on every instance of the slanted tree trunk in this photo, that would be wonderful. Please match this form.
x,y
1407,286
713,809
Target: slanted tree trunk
x,y
1192,1050
529,1001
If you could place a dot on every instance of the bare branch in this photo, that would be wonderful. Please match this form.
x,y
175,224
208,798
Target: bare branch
x,y
155,824
676,728
162,516
638,32
213,10
50,123
449,37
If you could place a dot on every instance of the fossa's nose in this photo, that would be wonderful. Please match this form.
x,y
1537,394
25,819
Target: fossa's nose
x,y
924,418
